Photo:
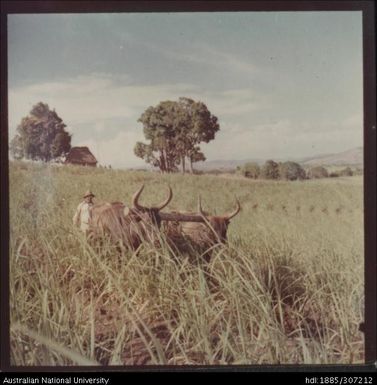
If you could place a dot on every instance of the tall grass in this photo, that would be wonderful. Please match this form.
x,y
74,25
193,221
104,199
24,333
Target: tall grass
x,y
288,287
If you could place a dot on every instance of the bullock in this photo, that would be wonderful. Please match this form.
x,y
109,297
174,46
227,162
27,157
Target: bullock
x,y
200,230
125,225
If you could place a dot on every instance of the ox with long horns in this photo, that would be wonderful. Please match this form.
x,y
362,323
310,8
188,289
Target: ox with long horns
x,y
200,229
125,225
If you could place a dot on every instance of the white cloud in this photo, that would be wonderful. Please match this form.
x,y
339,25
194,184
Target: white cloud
x,y
80,100
284,139
98,97
116,151
208,56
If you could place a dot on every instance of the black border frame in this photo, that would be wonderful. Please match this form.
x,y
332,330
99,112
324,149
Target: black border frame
x,y
367,7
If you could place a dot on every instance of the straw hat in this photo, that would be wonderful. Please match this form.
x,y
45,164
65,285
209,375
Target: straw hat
x,y
88,194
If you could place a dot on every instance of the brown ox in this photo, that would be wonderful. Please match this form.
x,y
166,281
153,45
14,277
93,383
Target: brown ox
x,y
201,230
124,225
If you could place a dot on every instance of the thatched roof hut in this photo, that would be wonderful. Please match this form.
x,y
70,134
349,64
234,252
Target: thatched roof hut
x,y
81,156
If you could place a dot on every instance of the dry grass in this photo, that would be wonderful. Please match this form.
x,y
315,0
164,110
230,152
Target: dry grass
x,y
287,289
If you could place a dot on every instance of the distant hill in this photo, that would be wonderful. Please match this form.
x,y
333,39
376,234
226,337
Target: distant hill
x,y
350,157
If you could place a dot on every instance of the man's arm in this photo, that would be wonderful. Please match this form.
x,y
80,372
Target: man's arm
x,y
76,217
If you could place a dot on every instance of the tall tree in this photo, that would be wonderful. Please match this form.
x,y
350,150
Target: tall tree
x,y
196,125
159,129
41,136
174,130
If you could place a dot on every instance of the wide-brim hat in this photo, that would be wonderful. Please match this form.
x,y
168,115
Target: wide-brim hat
x,y
88,194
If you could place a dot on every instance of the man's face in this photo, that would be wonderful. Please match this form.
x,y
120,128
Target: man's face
x,y
89,199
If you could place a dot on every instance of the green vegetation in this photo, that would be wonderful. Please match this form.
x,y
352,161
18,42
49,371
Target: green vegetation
x,y
250,170
270,170
291,171
175,130
318,172
346,172
288,288
41,136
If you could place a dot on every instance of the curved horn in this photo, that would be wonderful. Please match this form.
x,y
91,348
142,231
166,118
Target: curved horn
x,y
135,199
200,210
166,201
235,212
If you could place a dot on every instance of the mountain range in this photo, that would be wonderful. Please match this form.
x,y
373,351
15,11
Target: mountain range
x,y
352,157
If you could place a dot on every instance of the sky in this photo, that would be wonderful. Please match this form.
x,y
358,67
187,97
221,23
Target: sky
x,y
282,84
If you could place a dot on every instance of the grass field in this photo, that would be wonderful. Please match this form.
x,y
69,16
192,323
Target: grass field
x,y
288,287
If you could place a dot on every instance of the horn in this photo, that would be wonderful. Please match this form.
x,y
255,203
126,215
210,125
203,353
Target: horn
x,y
235,212
200,210
166,201
135,199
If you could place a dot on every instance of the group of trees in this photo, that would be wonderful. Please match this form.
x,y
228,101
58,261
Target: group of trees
x,y
174,130
41,136
273,170
288,171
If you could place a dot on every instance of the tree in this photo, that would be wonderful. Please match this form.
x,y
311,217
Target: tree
x,y
291,171
41,136
174,130
251,170
195,155
196,125
346,172
159,129
270,170
318,172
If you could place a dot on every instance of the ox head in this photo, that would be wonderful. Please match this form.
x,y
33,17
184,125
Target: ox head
x,y
218,223
192,223
129,225
139,213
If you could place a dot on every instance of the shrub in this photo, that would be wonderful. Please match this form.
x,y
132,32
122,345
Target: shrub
x,y
333,174
291,171
318,172
250,170
358,171
346,172
270,170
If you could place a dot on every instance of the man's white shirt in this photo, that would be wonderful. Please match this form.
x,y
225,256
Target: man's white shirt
x,y
82,215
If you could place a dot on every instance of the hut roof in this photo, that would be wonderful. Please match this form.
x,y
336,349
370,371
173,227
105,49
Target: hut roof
x,y
80,155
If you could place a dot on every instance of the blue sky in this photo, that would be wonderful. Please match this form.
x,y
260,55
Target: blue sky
x,y
283,84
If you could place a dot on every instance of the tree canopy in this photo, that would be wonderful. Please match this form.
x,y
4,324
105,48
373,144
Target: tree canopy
x,y
251,170
291,171
41,136
346,172
270,170
174,130
318,172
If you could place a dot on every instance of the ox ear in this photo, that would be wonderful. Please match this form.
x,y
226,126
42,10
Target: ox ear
x,y
126,211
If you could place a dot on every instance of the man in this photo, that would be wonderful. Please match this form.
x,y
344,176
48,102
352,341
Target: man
x,y
83,213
